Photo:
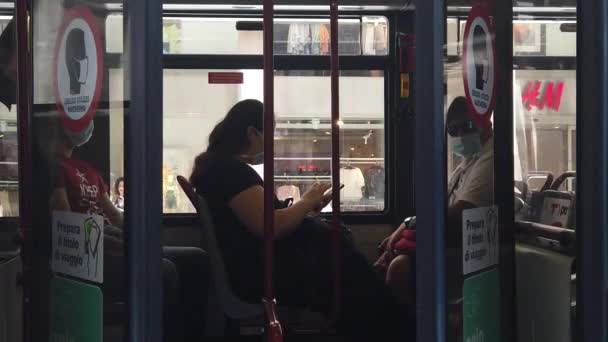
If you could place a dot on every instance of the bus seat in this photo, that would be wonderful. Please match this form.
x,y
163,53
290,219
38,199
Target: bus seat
x,y
535,195
11,296
521,190
562,179
558,209
536,205
221,294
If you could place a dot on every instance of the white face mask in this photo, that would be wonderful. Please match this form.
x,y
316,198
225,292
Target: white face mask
x,y
253,159
80,138
258,159
84,69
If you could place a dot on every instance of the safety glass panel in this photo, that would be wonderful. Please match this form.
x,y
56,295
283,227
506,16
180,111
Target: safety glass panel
x,y
544,146
473,266
78,207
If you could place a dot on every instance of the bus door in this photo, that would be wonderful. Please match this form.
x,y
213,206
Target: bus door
x,y
464,171
545,171
90,120
514,240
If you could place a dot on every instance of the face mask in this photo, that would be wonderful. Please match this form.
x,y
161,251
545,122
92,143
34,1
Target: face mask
x,y
258,159
81,138
466,146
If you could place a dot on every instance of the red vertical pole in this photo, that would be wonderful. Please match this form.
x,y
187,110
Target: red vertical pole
x,y
273,328
268,149
335,152
21,24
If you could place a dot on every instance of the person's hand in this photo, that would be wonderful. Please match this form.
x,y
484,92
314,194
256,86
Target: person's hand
x,y
316,195
113,231
327,198
384,243
392,240
381,265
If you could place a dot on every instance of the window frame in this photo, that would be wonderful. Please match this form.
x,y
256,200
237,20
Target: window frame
x,y
387,64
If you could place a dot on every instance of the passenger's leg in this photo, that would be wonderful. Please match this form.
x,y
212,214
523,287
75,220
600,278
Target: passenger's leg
x,y
115,292
399,278
369,310
193,267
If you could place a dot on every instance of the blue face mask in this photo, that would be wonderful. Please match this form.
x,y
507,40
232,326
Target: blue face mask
x,y
466,146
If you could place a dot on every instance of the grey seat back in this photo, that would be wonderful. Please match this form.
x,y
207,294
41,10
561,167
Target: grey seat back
x,y
231,305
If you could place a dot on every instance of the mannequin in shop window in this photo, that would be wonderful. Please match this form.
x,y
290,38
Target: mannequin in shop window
x,y
303,266
375,182
471,185
354,183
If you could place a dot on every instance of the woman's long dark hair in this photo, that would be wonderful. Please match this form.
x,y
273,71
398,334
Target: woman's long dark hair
x,y
229,137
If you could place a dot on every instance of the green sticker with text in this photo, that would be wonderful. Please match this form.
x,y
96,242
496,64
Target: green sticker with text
x,y
76,311
481,308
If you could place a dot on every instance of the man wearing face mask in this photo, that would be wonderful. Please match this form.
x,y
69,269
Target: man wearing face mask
x,y
471,185
8,66
78,186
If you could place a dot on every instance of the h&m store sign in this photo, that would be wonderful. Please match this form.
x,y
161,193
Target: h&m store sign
x,y
543,95
547,95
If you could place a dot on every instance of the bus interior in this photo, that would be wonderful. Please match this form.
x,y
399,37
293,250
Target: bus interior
x,y
213,57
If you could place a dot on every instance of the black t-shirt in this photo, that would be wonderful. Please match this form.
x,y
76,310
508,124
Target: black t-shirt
x,y
220,180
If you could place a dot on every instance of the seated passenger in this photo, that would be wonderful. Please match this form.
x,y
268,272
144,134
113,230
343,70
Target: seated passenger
x,y
80,188
303,257
471,186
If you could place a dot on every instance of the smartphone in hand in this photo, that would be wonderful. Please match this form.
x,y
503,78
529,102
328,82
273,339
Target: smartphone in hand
x,y
329,191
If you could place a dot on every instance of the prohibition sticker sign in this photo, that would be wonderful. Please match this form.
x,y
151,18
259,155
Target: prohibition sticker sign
x,y
78,68
479,66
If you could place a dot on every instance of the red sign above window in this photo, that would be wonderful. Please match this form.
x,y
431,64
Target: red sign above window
x,y
225,78
543,95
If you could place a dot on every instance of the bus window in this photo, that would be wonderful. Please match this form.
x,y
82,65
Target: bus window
x,y
366,35
545,120
9,181
194,103
303,137
196,99
9,177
